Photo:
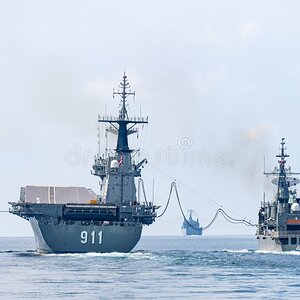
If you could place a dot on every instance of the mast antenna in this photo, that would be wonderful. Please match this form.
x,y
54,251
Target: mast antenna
x,y
123,91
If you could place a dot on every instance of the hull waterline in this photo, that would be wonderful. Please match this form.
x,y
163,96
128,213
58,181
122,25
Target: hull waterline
x,y
77,238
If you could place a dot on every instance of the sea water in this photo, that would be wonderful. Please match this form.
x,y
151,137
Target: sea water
x,y
206,267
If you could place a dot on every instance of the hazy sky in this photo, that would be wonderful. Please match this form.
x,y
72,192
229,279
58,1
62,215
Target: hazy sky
x,y
219,80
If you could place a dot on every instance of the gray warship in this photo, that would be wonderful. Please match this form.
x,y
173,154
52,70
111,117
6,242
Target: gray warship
x,y
279,220
77,220
191,226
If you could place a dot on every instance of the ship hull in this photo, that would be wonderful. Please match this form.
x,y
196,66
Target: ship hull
x,y
268,243
193,232
80,238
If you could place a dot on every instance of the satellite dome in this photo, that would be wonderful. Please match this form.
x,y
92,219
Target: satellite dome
x,y
295,207
114,164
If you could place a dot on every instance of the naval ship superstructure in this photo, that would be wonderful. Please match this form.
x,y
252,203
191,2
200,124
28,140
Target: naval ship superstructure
x,y
75,219
279,219
191,226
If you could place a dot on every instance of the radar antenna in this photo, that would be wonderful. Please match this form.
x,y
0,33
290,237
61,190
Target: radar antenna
x,y
119,124
124,93
282,170
284,179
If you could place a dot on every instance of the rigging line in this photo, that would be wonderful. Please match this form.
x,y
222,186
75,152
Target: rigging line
x,y
168,202
227,218
173,185
201,195
143,188
190,189
212,221
233,222
177,196
185,185
144,192
219,210
238,220
179,203
4,211
233,219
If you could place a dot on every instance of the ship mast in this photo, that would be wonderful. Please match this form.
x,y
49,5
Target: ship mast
x,y
282,181
283,192
124,93
123,120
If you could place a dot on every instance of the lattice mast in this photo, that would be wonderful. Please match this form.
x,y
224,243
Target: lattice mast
x,y
123,120
283,175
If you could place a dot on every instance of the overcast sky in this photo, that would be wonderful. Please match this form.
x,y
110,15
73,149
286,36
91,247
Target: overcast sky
x,y
219,80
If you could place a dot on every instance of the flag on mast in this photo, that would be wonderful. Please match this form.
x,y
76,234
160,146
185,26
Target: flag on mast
x,y
120,161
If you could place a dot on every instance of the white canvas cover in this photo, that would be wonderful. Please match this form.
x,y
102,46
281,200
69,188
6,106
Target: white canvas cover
x,y
58,195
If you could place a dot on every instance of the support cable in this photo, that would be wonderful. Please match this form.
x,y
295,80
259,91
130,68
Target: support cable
x,y
220,210
141,182
192,190
168,202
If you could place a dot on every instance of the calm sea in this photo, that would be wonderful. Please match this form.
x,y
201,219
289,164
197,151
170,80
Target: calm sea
x,y
207,267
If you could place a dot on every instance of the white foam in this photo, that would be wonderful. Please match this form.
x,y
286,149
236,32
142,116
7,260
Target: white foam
x,y
238,251
130,255
263,252
278,253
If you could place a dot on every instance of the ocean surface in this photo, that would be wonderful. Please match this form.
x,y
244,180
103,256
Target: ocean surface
x,y
207,267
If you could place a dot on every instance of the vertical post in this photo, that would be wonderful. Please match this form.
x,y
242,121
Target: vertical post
x,y
99,146
139,191
153,191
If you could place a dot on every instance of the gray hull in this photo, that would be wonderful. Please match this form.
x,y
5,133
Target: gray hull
x,y
77,220
78,238
268,243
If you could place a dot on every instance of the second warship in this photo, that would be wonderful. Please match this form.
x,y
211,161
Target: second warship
x,y
279,219
191,226
75,219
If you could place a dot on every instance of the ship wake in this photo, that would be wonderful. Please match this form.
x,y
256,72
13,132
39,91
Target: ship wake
x,y
249,251
140,255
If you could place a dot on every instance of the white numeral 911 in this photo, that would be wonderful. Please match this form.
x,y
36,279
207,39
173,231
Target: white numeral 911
x,y
92,238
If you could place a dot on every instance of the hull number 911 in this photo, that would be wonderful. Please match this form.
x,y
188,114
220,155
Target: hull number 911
x,y
92,238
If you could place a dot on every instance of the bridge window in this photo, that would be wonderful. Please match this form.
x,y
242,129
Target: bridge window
x,y
284,241
293,227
